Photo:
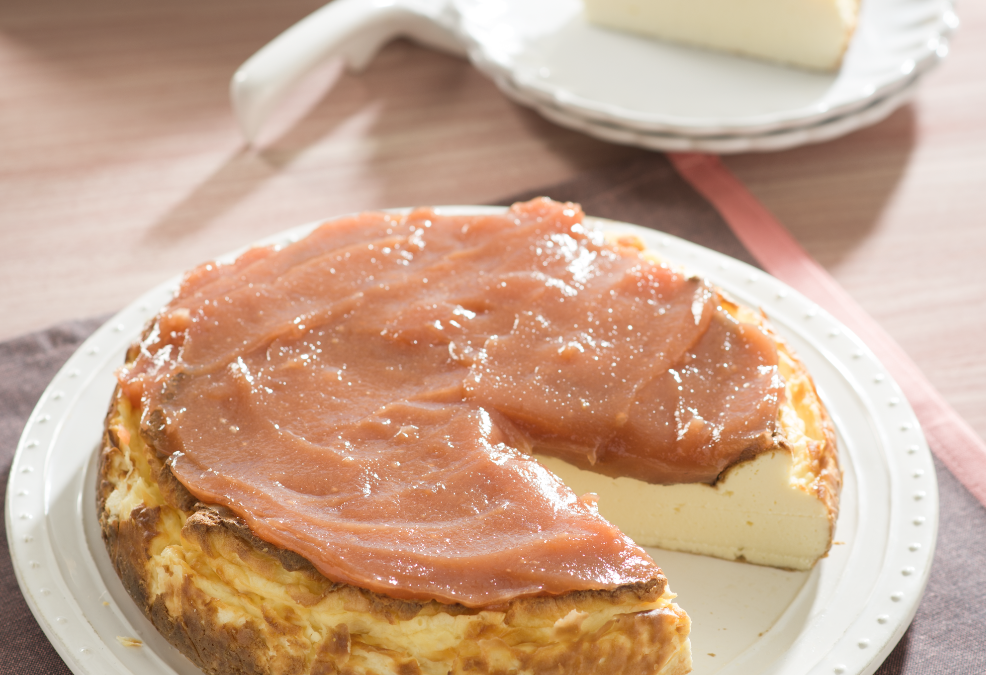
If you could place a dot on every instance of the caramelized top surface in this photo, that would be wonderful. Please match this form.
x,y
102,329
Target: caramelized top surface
x,y
368,397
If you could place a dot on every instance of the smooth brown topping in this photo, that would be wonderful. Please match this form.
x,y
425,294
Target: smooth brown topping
x,y
368,397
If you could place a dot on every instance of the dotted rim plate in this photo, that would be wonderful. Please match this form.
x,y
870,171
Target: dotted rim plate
x,y
844,617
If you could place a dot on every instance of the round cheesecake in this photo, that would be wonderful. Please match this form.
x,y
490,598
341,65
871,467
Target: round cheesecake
x,y
400,444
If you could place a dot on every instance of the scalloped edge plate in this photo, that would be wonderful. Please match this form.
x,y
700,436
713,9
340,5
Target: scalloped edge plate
x,y
548,51
783,139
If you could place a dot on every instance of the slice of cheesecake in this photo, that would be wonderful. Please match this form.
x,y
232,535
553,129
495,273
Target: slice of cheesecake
x,y
810,34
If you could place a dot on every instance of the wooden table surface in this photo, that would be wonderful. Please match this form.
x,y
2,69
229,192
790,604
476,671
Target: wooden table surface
x,y
120,166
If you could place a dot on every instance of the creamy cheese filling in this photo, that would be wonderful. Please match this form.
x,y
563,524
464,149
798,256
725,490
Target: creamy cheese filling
x,y
809,33
757,512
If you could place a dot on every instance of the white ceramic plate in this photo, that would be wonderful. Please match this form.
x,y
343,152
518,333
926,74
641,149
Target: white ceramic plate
x,y
842,617
782,139
549,52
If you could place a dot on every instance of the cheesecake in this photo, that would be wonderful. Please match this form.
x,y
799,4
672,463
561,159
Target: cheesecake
x,y
419,443
812,34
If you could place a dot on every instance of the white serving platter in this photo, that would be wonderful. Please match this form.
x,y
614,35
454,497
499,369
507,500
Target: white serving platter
x,y
843,617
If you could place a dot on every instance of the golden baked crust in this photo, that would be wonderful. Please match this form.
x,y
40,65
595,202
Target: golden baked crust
x,y
233,603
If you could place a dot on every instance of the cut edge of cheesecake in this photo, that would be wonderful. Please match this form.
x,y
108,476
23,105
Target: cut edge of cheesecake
x,y
778,509
812,34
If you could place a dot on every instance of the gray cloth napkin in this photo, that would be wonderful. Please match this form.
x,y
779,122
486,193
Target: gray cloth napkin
x,y
948,634
27,364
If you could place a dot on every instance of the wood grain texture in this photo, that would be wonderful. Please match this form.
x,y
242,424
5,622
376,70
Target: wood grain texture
x,y
121,166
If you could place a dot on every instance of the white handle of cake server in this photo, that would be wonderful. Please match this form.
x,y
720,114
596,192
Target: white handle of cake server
x,y
352,29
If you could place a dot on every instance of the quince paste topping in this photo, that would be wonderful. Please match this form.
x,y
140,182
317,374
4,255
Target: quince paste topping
x,y
369,396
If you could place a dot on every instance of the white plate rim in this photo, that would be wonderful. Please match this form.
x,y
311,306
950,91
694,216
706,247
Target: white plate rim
x,y
911,61
865,639
782,139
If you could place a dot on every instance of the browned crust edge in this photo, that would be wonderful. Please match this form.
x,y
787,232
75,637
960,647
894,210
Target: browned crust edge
x,y
828,485
636,641
824,450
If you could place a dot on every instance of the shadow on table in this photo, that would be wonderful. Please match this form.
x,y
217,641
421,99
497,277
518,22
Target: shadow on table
x,y
382,119
408,98
399,74
854,176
